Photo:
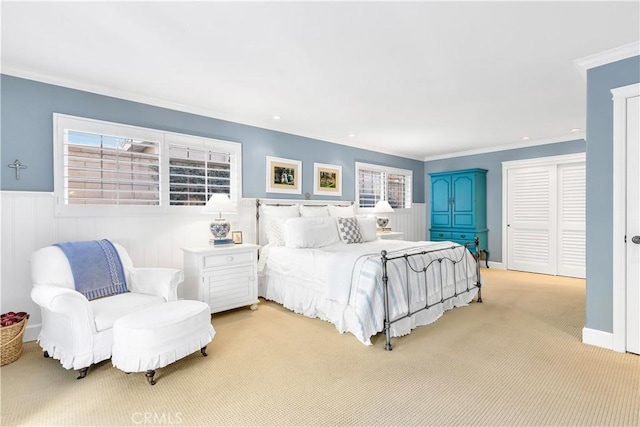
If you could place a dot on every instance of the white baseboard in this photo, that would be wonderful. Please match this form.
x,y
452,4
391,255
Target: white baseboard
x,y
597,338
31,333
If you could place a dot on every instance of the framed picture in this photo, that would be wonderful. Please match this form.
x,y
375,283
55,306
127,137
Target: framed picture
x,y
327,180
284,175
236,236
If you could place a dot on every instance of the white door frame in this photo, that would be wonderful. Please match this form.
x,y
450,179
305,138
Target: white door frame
x,y
514,164
620,96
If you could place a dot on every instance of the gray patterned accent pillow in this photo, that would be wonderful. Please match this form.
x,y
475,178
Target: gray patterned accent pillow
x,y
349,230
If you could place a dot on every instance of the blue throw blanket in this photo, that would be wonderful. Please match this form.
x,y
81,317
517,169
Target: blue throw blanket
x,y
96,267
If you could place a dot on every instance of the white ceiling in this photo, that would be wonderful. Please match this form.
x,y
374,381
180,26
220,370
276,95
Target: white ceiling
x,y
417,79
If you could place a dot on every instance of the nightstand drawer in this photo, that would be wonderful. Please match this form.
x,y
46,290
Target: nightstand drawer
x,y
229,259
465,237
440,235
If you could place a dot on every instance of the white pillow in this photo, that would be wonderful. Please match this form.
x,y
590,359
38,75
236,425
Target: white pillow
x,y
342,211
349,230
314,211
310,232
368,228
275,231
267,216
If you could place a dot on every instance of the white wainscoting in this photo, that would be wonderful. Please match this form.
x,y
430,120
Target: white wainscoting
x,y
28,223
412,222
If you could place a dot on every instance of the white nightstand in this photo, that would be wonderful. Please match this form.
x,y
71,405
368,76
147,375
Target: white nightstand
x,y
224,277
391,235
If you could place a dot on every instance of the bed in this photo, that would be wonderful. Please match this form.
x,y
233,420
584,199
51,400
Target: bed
x,y
363,287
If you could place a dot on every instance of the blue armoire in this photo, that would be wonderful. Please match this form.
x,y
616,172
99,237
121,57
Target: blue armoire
x,y
459,206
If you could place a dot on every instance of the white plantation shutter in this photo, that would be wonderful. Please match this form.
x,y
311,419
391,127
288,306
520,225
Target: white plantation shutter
x,y
371,187
399,190
197,173
110,170
377,183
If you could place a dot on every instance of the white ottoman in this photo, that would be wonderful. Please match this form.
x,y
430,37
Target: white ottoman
x,y
161,334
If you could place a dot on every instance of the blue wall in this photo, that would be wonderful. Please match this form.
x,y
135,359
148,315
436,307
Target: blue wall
x,y
600,81
27,135
493,163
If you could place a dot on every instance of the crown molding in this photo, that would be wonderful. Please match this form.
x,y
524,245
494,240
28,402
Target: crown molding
x,y
522,144
606,57
111,92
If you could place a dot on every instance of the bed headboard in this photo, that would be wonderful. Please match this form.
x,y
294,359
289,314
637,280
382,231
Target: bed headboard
x,y
260,233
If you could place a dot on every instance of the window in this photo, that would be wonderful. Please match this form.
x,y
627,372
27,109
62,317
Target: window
x,y
195,174
103,168
110,170
376,183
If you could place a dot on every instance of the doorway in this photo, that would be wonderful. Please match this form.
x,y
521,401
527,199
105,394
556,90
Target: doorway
x,y
626,219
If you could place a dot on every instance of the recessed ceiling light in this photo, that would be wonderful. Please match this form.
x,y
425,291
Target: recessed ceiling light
x,y
575,130
276,117
352,135
524,138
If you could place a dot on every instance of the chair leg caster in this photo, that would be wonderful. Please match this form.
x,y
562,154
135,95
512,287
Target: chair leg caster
x,y
46,355
150,374
203,350
83,373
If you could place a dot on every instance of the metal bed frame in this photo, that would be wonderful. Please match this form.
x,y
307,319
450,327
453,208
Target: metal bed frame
x,y
472,283
411,270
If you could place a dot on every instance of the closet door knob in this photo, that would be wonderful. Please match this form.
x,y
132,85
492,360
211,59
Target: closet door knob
x,y
636,240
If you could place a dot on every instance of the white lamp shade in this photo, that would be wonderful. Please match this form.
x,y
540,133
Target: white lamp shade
x,y
219,203
382,207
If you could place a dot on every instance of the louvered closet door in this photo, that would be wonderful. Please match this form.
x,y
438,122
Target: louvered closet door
x,y
571,219
532,219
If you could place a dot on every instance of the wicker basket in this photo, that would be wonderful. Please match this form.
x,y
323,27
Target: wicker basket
x,y
11,341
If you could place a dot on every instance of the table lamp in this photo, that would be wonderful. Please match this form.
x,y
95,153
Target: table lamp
x,y
382,207
219,203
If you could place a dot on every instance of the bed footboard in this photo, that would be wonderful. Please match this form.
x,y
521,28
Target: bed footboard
x,y
471,283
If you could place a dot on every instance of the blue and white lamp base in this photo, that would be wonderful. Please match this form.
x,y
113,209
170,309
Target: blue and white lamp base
x,y
220,229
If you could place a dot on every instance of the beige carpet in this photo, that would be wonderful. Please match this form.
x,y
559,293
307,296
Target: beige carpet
x,y
516,359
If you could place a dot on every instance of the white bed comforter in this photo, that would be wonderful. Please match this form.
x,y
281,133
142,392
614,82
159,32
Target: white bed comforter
x,y
343,283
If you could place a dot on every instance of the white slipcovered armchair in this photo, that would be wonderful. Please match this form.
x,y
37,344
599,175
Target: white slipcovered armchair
x,y
78,332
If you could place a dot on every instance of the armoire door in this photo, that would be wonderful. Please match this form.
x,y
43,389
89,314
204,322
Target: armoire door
x,y
463,193
441,201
